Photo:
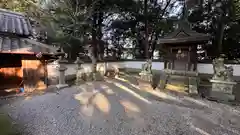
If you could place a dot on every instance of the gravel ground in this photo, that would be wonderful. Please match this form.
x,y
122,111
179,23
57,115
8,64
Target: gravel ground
x,y
110,109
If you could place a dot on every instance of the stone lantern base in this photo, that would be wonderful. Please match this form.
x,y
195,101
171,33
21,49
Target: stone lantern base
x,y
80,77
61,86
90,76
97,76
146,76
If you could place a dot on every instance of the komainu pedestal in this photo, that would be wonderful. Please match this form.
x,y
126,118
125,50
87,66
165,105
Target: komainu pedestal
x,y
146,73
222,90
222,82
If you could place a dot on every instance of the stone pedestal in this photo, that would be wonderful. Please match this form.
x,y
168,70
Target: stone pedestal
x,y
163,81
79,77
90,76
61,78
222,90
80,72
97,76
193,85
146,76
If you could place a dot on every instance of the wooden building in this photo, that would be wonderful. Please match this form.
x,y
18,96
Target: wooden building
x,y
180,47
22,60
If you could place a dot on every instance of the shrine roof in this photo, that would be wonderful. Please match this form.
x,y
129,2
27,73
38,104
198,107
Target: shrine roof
x,y
184,34
23,46
14,29
14,23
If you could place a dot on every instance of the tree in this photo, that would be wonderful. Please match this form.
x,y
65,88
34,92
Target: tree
x,y
66,22
78,21
18,5
220,19
132,22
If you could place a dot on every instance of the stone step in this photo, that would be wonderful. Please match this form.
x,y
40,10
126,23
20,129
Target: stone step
x,y
182,81
176,88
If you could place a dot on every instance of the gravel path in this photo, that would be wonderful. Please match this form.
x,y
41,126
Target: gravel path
x,y
109,108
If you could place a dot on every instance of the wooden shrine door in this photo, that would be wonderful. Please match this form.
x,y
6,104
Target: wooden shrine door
x,y
33,75
181,58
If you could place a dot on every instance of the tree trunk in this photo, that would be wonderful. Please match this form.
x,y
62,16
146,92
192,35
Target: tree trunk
x,y
220,37
146,29
99,35
93,49
154,43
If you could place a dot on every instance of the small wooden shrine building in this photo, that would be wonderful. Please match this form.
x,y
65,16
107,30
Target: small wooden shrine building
x,y
180,63
22,60
181,45
181,48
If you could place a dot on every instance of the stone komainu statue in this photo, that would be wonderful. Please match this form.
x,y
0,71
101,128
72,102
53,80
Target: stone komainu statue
x,y
222,72
147,67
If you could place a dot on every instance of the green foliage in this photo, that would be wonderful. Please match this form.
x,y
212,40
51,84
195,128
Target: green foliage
x,y
211,16
237,9
70,23
18,5
132,23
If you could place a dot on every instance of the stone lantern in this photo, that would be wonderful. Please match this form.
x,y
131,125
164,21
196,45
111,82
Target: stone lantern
x,y
80,73
79,63
61,68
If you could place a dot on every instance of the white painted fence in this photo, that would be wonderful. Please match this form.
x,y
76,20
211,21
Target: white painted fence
x,y
201,67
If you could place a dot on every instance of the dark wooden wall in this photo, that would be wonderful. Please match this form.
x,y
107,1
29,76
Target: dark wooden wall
x,y
15,73
34,73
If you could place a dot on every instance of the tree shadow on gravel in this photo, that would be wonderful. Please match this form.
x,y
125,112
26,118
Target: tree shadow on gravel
x,y
145,89
102,100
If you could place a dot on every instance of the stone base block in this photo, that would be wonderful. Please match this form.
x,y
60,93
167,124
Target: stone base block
x,y
193,85
61,86
97,76
220,96
79,81
222,90
111,73
163,81
146,76
80,77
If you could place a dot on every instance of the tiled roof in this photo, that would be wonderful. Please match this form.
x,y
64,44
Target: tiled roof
x,y
184,34
23,45
15,23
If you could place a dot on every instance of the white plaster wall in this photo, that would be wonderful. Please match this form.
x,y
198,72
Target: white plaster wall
x,y
236,69
72,68
138,65
208,68
202,68
205,68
